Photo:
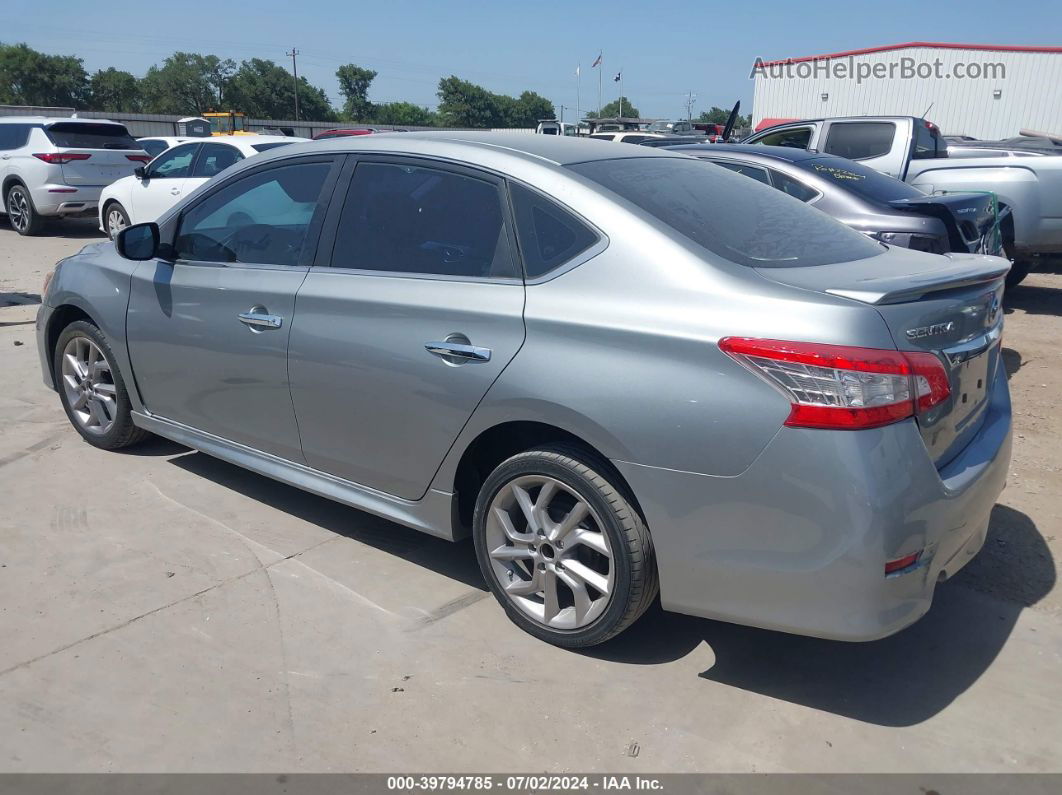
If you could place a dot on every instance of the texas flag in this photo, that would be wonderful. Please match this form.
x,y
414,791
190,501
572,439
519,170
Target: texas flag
x,y
597,61
618,77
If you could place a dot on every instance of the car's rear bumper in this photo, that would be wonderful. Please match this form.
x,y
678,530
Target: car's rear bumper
x,y
799,541
66,200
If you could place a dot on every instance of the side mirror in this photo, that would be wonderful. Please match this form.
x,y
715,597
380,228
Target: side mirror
x,y
138,242
141,172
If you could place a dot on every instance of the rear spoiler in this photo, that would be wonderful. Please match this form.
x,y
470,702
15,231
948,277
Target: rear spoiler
x,y
964,270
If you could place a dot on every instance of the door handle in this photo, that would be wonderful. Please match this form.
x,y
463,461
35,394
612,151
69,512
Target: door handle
x,y
260,320
175,191
457,350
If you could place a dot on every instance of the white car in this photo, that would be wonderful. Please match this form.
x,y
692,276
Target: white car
x,y
155,145
179,170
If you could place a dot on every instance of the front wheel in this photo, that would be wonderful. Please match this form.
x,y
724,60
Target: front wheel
x,y
92,390
562,548
115,219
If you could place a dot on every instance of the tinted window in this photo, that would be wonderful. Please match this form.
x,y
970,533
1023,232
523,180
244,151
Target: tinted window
x,y
12,136
794,137
927,142
262,218
792,187
549,235
602,137
267,147
215,158
82,135
859,179
755,226
174,163
758,174
860,139
152,147
409,219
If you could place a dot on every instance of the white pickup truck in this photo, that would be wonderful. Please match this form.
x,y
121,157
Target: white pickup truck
x,y
912,149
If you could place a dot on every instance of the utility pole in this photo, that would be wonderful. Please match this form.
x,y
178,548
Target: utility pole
x,y
295,76
690,99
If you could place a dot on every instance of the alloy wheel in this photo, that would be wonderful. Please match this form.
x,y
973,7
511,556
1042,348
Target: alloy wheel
x,y
89,386
549,552
115,222
18,209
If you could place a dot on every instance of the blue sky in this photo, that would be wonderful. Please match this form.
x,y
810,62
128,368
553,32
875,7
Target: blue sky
x,y
664,49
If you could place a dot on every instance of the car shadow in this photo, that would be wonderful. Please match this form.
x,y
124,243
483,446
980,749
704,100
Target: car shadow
x,y
1012,361
75,229
19,299
902,680
454,560
1033,299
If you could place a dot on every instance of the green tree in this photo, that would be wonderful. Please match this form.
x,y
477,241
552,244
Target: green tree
x,y
115,90
612,110
354,82
403,113
464,104
265,90
187,83
29,77
529,109
719,116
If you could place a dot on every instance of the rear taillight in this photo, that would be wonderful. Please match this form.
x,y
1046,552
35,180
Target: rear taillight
x,y
139,158
841,387
59,158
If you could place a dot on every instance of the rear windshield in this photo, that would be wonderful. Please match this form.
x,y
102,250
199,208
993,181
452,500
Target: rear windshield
x,y
82,135
859,179
266,147
730,215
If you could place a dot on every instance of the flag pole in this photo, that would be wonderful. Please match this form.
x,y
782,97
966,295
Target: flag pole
x,y
578,99
621,91
600,70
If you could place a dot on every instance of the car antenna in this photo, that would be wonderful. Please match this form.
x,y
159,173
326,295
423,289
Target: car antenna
x,y
931,104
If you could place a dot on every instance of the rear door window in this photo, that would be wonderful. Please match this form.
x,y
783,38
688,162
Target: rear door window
x,y
792,187
85,135
858,140
755,172
754,226
549,235
927,143
413,219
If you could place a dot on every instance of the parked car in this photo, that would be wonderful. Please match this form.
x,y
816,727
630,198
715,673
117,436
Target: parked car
x,y
913,150
675,140
178,171
669,127
867,200
621,136
782,421
554,127
56,167
344,133
156,145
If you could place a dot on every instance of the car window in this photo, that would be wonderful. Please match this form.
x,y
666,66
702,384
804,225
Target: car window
x,y
857,140
928,143
412,219
549,235
215,158
173,163
794,137
261,218
861,180
793,187
602,137
755,225
153,147
86,135
13,136
757,173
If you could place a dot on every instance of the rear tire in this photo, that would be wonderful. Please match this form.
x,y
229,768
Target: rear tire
x,y
92,389
1018,271
21,213
562,547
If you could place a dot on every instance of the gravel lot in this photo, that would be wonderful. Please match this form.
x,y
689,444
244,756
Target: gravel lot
x,y
164,611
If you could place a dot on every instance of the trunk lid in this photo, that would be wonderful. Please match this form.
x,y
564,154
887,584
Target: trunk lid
x,y
107,145
949,306
970,219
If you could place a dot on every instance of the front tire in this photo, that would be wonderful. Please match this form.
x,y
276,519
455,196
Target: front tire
x,y
92,390
1018,271
115,219
21,213
562,548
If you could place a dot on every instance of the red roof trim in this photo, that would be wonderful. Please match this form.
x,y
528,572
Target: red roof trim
x,y
932,44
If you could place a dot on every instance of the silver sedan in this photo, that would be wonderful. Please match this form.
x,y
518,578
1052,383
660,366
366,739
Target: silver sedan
x,y
622,371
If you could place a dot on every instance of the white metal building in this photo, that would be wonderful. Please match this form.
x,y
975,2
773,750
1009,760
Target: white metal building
x,y
986,91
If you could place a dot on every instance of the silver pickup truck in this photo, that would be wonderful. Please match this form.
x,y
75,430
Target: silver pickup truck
x,y
912,149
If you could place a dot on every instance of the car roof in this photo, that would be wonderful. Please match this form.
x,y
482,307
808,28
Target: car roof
x,y
54,120
787,154
554,149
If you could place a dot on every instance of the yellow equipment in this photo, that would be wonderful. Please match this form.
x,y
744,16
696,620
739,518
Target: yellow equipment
x,y
228,122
